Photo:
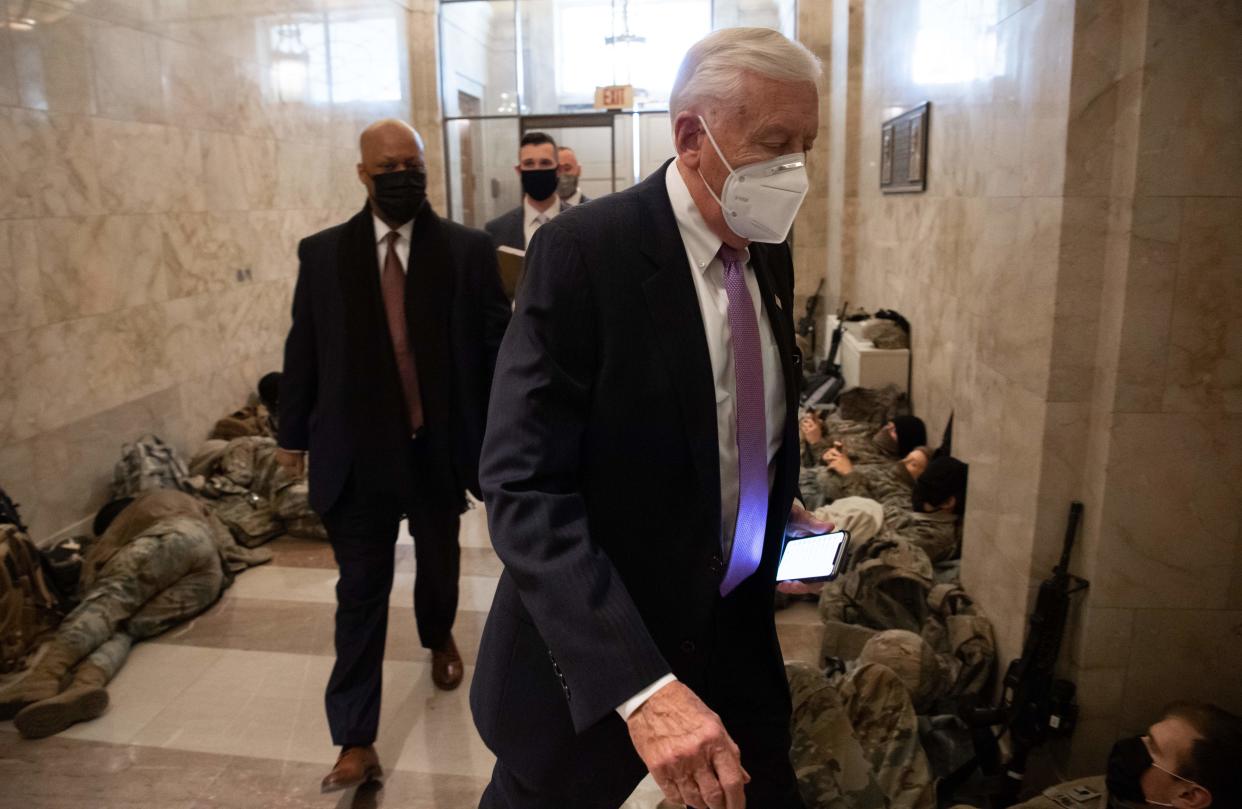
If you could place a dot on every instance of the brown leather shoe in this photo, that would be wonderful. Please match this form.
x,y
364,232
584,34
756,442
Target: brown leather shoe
x,y
354,767
446,666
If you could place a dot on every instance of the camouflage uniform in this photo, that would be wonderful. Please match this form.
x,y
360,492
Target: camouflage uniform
x,y
872,405
886,483
856,742
936,533
169,574
813,454
252,493
862,441
890,587
252,420
163,560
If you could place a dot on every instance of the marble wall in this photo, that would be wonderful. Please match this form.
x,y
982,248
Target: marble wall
x,y
160,159
1072,275
1149,383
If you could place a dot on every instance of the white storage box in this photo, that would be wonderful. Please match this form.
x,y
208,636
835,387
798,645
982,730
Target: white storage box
x,y
865,366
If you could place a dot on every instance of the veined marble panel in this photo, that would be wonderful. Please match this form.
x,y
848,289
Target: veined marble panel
x,y
127,74
99,264
1208,640
148,168
1172,519
23,307
1205,354
1150,286
53,61
47,165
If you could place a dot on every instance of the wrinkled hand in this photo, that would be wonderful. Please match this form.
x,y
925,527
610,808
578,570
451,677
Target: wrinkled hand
x,y
803,523
292,462
688,751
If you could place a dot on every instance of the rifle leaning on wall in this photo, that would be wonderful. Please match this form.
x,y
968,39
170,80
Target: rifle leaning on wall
x,y
806,324
824,387
1034,706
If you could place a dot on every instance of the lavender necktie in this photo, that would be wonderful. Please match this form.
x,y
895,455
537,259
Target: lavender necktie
x,y
752,431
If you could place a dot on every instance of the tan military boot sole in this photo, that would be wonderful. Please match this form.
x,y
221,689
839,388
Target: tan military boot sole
x,y
51,716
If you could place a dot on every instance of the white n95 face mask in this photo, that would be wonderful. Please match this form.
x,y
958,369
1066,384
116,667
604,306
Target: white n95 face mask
x,y
760,200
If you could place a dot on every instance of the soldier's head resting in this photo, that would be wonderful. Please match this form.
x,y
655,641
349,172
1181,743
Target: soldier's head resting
x,y
941,487
1188,760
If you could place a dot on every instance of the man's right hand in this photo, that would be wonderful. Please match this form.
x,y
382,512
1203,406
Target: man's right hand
x,y
292,462
688,751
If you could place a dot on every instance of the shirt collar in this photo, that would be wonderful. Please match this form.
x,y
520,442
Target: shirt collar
x,y
382,229
702,244
532,212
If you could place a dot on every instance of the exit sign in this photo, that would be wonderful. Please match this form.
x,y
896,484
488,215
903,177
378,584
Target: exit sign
x,y
616,97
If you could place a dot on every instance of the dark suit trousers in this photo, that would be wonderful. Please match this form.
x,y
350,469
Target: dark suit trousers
x,y
363,532
747,690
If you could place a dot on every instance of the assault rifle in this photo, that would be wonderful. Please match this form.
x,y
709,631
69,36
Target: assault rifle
x,y
825,386
806,323
1034,706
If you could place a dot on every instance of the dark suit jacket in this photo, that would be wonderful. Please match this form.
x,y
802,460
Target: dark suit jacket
x,y
507,229
340,393
601,472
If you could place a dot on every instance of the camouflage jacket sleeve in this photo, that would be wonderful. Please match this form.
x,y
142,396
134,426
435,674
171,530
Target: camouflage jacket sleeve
x,y
936,534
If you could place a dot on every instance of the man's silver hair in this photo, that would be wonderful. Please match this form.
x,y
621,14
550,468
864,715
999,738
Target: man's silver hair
x,y
713,68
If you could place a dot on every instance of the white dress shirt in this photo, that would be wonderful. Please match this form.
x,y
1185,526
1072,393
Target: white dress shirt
x,y
531,214
572,200
707,270
402,245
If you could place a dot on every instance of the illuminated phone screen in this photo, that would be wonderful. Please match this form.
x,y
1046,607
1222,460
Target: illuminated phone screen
x,y
811,558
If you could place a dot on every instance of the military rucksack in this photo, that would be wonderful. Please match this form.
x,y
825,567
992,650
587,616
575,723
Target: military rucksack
x,y
146,464
30,607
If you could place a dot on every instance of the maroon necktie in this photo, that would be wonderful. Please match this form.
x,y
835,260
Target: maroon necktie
x,y
392,280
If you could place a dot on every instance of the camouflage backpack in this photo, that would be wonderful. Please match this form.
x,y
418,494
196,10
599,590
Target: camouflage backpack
x,y
30,607
147,464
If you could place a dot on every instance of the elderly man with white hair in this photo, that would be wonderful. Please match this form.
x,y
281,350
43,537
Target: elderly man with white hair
x,y
641,464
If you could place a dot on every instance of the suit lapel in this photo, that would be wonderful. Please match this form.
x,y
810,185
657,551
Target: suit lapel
x,y
428,301
674,307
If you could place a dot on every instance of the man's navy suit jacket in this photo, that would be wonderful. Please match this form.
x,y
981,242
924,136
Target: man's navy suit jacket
x,y
600,469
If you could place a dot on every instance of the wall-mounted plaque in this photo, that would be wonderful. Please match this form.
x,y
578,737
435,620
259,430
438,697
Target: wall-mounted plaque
x,y
903,151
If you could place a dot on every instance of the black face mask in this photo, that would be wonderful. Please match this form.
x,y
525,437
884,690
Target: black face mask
x,y
1127,762
399,194
539,184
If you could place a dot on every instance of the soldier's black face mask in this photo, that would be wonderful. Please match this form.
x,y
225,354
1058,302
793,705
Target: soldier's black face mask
x,y
399,194
539,183
1127,762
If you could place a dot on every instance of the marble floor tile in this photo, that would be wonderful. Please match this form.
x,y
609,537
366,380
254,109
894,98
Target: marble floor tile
x,y
271,625
317,586
316,553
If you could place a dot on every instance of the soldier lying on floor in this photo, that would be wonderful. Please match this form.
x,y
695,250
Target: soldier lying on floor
x,y
862,443
253,494
930,518
855,740
888,608
889,483
161,559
